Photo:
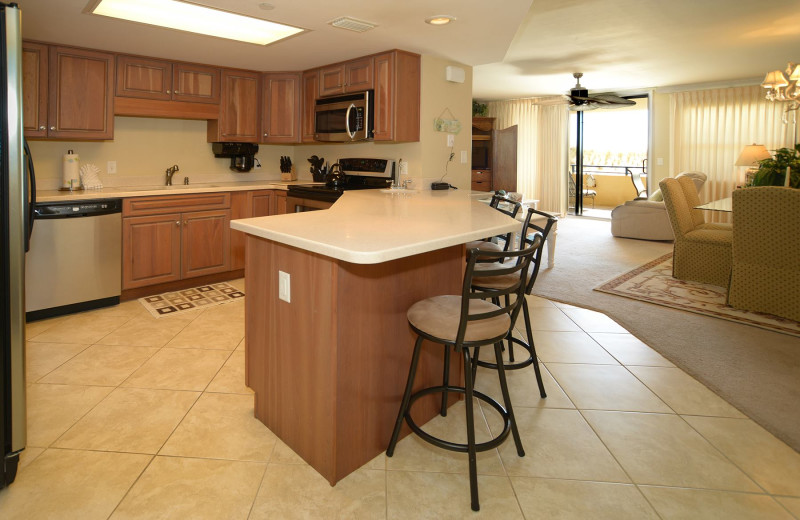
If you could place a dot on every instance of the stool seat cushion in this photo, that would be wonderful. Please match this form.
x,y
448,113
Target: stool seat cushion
x,y
439,317
484,245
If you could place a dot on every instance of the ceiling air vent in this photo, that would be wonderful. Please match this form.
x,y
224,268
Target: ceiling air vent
x,y
351,24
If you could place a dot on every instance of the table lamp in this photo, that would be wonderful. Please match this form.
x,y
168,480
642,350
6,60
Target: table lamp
x,y
750,157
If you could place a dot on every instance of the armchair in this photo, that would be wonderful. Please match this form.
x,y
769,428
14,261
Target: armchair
x,y
765,272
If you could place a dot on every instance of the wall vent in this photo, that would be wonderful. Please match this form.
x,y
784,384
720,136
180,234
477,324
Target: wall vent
x,y
351,24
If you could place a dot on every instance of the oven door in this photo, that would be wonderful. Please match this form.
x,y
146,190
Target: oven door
x,y
343,118
299,205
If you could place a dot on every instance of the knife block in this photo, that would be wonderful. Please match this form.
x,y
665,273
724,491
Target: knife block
x,y
289,176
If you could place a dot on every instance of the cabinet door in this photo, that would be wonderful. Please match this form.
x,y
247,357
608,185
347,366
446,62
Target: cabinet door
x,y
34,89
238,112
280,203
331,80
384,99
246,204
151,250
144,78
310,90
81,94
281,108
397,96
195,83
358,75
205,243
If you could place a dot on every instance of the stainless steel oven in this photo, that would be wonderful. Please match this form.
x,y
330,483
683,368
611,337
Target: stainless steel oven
x,y
344,118
299,205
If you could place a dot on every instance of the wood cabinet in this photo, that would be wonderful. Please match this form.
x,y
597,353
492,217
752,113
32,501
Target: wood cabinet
x,y
171,238
67,93
279,207
351,76
281,108
310,93
238,111
397,96
247,204
482,153
34,89
195,83
143,78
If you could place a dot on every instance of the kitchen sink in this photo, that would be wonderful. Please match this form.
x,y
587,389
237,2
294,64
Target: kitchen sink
x,y
168,188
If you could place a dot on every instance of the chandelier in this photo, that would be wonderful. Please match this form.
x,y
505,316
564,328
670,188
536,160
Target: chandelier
x,y
784,86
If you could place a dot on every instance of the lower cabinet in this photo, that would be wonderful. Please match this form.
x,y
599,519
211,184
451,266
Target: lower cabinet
x,y
247,204
160,244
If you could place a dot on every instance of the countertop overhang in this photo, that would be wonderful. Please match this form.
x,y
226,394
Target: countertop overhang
x,y
374,226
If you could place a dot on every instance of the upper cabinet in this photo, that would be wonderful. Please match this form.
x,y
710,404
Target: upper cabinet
x,y
397,91
34,89
195,83
238,111
310,91
146,78
350,76
280,120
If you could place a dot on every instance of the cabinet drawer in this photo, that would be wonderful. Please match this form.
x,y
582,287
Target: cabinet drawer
x,y
158,204
481,175
481,186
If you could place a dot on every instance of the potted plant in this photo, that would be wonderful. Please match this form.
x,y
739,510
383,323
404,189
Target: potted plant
x,y
479,109
772,171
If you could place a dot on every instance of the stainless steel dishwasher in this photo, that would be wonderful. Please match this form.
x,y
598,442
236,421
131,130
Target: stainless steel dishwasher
x,y
74,263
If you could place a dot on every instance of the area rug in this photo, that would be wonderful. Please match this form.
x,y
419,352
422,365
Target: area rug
x,y
177,302
653,283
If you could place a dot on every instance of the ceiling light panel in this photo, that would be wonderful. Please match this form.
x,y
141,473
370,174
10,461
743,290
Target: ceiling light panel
x,y
185,16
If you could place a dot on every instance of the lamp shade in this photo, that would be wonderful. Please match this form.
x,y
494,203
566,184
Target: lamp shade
x,y
795,75
751,154
775,79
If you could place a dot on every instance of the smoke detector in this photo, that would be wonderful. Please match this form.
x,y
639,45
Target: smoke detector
x,y
351,24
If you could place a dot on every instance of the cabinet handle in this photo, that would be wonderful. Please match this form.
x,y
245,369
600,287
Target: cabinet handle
x,y
266,134
168,92
177,222
185,222
52,128
177,92
42,127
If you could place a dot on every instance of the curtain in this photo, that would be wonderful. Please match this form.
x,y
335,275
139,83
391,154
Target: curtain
x,y
541,148
711,127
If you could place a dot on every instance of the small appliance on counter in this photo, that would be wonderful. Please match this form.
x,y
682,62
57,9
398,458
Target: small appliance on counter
x,y
242,154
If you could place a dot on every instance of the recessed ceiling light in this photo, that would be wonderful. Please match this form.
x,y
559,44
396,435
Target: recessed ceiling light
x,y
265,6
185,16
440,19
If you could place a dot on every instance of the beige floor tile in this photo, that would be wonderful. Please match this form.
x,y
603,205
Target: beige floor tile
x,y
34,328
43,358
691,504
630,350
53,409
179,488
283,454
298,492
547,499
230,378
683,393
131,420
221,426
523,388
441,496
605,387
771,463
238,283
28,455
179,369
145,331
223,333
414,454
100,365
130,308
537,301
570,347
52,487
660,449
593,321
791,504
558,444
551,318
80,328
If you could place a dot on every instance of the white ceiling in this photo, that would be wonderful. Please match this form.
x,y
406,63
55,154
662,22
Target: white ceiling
x,y
519,48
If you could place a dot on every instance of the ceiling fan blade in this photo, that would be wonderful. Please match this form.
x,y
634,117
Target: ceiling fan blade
x,y
612,99
550,101
584,107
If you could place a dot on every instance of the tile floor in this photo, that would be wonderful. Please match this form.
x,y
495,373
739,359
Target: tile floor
x,y
133,417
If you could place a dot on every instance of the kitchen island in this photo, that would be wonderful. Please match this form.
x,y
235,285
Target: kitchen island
x,y
327,353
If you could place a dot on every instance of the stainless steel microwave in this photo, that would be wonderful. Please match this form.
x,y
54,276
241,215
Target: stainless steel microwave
x,y
345,118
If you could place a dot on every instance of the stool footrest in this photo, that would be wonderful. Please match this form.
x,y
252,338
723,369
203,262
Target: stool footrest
x,y
514,365
455,446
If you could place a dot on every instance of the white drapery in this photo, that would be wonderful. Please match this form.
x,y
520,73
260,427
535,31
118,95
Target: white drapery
x,y
711,127
541,149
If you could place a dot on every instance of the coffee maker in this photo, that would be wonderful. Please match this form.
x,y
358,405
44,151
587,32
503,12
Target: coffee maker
x,y
242,155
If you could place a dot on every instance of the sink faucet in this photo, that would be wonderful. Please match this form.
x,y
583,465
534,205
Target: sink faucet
x,y
170,172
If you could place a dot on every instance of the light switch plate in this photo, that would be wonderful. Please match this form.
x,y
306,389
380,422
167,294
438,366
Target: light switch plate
x,y
463,157
451,140
284,287
111,167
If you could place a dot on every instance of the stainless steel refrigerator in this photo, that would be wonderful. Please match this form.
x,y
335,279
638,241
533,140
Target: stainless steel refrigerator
x,y
16,191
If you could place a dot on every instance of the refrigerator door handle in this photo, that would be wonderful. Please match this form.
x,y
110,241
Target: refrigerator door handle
x,y
30,196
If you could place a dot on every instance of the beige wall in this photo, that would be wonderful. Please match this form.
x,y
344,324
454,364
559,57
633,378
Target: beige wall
x,y
144,148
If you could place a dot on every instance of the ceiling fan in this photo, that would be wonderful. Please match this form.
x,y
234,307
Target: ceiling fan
x,y
580,100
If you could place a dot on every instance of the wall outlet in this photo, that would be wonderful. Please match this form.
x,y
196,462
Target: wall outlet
x,y
111,167
659,161
284,287
403,167
451,140
463,157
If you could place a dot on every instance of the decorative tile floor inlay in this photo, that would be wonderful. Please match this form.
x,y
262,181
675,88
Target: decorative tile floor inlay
x,y
171,303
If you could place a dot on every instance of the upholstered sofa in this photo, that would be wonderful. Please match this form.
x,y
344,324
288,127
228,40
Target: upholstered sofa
x,y
646,219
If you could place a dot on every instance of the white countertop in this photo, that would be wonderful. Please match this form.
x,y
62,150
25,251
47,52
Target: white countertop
x,y
373,226
141,191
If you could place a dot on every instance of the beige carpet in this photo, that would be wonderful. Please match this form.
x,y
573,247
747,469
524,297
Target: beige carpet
x,y
653,283
177,302
756,370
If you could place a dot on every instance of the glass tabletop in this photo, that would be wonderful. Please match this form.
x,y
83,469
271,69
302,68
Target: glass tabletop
x,y
725,204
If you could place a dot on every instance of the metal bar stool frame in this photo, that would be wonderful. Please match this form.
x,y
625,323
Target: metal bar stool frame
x,y
513,295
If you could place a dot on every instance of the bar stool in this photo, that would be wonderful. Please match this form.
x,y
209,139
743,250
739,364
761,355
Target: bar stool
x,y
487,244
465,322
528,238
